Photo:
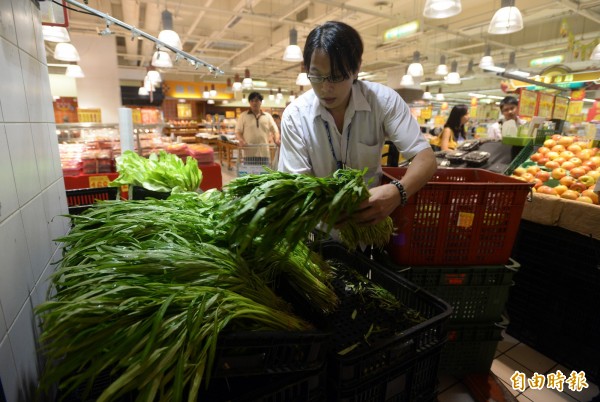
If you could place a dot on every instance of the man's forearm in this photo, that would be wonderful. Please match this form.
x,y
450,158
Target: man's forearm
x,y
420,170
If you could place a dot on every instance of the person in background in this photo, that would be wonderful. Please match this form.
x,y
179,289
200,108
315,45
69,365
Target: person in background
x,y
508,107
277,119
255,126
454,129
343,122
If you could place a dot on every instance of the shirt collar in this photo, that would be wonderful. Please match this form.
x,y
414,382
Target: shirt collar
x,y
358,102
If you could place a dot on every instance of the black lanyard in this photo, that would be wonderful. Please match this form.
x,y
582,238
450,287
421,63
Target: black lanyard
x,y
257,118
338,163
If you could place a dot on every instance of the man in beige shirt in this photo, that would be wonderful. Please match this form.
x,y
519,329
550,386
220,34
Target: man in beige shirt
x,y
255,126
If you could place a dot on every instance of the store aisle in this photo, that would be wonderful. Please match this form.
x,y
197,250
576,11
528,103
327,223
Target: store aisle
x,y
512,355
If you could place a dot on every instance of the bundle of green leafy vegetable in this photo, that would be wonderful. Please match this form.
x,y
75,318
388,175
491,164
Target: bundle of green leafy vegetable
x,y
163,172
279,206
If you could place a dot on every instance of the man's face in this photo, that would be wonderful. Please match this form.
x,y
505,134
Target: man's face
x,y
509,112
255,105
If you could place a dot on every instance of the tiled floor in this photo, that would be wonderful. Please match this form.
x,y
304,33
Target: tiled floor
x,y
512,355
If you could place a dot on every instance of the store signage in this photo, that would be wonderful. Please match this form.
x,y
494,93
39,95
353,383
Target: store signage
x,y
546,61
194,90
401,31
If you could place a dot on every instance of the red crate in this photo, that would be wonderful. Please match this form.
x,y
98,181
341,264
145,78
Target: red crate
x,y
460,217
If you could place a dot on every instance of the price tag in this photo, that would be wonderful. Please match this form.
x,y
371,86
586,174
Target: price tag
x,y
465,219
99,181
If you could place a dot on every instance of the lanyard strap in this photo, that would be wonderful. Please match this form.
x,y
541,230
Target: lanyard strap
x,y
338,162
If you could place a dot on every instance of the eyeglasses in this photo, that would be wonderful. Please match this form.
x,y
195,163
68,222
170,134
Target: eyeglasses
x,y
334,79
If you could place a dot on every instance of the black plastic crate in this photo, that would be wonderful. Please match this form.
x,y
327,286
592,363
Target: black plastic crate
x,y
470,348
260,353
306,387
563,326
476,293
552,252
382,354
414,381
81,199
140,193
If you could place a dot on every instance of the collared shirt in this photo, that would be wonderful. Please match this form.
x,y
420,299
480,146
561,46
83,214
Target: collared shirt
x,y
256,130
495,130
374,114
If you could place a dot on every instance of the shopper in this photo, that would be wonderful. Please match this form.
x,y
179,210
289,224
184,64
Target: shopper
x,y
342,122
277,119
508,107
255,126
454,129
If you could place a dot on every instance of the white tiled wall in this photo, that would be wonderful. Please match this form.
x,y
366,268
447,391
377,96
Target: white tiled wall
x,y
32,194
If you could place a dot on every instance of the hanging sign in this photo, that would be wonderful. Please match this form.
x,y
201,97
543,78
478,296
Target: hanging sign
x,y
527,103
561,107
545,105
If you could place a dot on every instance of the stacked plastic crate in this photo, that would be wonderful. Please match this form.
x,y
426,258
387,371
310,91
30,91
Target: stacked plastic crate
x,y
454,238
555,302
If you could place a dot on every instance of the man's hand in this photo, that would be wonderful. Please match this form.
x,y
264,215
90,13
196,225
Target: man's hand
x,y
382,202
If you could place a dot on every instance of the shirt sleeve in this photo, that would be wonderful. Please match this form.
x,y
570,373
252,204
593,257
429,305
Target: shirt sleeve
x,y
293,157
402,128
239,125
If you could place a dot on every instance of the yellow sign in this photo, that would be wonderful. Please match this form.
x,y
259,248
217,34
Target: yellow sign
x,y
426,112
184,111
465,219
575,107
99,181
194,90
561,106
527,103
546,105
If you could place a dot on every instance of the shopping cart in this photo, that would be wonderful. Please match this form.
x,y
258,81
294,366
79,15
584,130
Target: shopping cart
x,y
253,159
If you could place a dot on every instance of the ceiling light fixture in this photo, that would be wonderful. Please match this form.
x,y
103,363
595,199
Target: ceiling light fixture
x,y
271,95
154,77
210,101
427,95
441,8
206,93
442,68
142,91
439,96
237,84
213,91
292,97
247,82
279,94
148,84
407,80
302,79
74,71
596,53
469,72
65,52
487,60
167,35
161,59
507,19
416,68
55,34
292,52
453,78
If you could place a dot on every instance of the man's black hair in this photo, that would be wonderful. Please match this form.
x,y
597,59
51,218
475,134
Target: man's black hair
x,y
254,95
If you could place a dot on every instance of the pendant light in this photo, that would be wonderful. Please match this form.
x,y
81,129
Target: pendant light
x,y
237,84
302,78
213,91
439,96
469,72
416,68
74,71
453,78
167,35
595,53
487,60
142,91
442,68
65,52
292,97
154,77
206,93
271,95
407,80
279,94
292,52
148,85
161,59
427,95
508,19
247,82
441,8
210,101
55,34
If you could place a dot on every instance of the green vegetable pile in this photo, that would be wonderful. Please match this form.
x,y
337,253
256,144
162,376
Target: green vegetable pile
x,y
163,172
145,288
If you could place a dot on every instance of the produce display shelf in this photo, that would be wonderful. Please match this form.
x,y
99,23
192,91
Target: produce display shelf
x,y
460,217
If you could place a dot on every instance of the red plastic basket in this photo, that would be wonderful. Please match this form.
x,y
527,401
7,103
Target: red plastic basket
x,y
461,217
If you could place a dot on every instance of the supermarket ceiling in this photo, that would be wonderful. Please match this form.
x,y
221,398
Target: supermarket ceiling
x,y
239,34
